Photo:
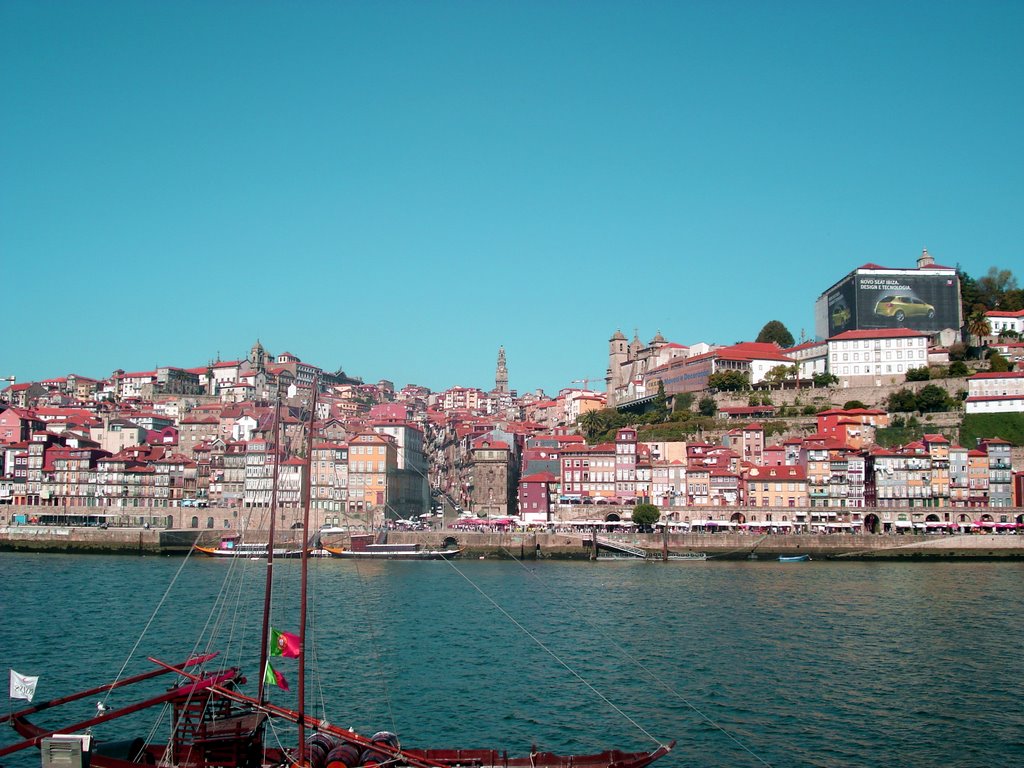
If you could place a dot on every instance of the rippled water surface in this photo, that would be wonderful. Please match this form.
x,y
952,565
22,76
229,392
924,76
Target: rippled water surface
x,y
796,664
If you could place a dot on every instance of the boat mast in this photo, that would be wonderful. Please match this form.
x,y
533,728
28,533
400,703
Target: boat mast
x,y
269,588
305,572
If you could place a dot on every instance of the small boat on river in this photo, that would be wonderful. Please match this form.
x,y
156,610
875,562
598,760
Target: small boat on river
x,y
794,558
364,547
232,546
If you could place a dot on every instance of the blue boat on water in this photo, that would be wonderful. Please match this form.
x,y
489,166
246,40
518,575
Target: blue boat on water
x,y
793,558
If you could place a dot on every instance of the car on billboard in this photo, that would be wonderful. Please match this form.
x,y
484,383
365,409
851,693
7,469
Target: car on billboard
x,y
900,306
840,316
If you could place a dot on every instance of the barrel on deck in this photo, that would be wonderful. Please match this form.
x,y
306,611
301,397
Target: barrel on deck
x,y
318,746
343,756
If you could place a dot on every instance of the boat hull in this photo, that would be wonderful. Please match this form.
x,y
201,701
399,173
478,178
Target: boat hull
x,y
418,554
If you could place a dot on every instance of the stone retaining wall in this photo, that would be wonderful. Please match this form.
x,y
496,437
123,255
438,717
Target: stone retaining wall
x,y
532,546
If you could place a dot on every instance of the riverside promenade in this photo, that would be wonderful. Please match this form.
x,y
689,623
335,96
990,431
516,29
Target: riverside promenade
x,y
539,546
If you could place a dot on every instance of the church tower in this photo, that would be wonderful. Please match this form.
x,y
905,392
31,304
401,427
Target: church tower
x,y
501,374
618,355
258,357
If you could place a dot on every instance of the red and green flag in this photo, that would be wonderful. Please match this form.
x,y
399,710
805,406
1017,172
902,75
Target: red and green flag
x,y
272,677
284,644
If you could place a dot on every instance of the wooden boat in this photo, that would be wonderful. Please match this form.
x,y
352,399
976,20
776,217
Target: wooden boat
x,y
364,547
233,546
215,724
794,558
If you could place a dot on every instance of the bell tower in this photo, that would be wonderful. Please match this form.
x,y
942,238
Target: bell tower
x,y
501,374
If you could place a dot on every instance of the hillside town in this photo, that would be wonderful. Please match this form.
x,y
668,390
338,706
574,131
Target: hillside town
x,y
792,447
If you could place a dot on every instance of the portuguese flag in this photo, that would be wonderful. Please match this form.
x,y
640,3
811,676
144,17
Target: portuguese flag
x,y
272,677
284,644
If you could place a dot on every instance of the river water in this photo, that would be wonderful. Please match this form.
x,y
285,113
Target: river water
x,y
744,663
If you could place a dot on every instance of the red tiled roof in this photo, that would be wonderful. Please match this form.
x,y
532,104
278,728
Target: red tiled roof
x,y
999,375
1004,313
539,477
880,333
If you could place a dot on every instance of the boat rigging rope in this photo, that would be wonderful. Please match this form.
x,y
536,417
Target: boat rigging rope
x,y
376,652
149,623
554,655
656,678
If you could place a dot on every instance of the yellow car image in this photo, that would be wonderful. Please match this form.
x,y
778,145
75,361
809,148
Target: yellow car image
x,y
840,316
901,306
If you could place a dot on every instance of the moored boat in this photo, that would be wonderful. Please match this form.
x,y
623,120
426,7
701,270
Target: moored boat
x,y
794,558
364,547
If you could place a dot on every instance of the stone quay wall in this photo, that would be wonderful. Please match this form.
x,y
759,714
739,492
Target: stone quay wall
x,y
539,546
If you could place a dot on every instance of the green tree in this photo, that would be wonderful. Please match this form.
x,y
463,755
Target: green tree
x,y
729,381
933,398
646,515
919,374
957,351
824,379
659,408
1013,301
851,405
902,400
959,369
775,331
707,406
997,363
683,401
969,294
994,285
978,325
596,423
778,374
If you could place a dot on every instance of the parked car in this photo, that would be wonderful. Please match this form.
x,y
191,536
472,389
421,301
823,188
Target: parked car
x,y
901,306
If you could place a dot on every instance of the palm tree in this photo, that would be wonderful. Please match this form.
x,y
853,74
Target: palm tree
x,y
978,325
593,423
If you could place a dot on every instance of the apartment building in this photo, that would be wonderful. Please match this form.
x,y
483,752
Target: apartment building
x,y
876,357
995,392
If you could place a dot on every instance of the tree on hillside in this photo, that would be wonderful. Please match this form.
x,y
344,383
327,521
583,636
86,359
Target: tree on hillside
x,y
997,363
978,325
594,423
969,293
994,285
775,331
933,398
824,379
729,381
683,401
902,400
659,408
852,405
958,369
919,374
779,374
707,406
1013,301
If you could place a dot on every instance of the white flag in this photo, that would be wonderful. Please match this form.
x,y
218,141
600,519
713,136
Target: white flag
x,y
23,686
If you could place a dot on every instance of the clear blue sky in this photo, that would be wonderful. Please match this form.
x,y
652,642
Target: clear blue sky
x,y
399,188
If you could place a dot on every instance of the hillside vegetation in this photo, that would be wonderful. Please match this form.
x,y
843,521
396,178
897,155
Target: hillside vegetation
x,y
1008,426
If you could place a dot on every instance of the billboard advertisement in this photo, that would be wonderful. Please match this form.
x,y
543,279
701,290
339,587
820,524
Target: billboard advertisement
x,y
868,300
